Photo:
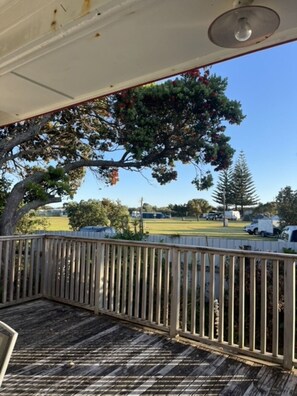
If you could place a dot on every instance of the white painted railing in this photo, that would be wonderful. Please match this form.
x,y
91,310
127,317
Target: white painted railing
x,y
240,300
126,279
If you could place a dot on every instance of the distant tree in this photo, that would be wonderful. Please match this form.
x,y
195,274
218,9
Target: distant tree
x,y
268,209
146,207
94,212
243,189
164,209
197,207
178,210
86,213
286,203
31,223
151,127
223,193
118,214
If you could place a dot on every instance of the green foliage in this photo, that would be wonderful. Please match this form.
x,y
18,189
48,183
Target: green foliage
x,y
235,186
54,181
244,192
30,223
86,213
94,212
289,251
154,127
181,120
135,234
118,214
286,203
130,235
4,192
203,182
268,209
146,207
223,193
197,207
179,210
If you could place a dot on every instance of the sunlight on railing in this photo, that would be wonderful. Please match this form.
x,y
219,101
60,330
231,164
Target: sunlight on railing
x,y
239,300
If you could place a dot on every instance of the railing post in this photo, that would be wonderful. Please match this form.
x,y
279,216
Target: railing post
x,y
99,277
289,312
175,292
45,270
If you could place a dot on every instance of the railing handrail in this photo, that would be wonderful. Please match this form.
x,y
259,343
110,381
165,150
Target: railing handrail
x,y
174,287
21,237
180,247
205,249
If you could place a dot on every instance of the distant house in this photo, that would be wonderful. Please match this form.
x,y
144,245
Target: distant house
x,y
51,212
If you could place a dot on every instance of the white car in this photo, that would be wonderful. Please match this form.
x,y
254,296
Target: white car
x,y
252,228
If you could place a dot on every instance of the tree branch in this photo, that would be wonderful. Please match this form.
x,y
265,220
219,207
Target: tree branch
x,y
8,144
36,204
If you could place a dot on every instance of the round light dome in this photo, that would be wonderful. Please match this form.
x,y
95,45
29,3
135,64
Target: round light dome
x,y
243,26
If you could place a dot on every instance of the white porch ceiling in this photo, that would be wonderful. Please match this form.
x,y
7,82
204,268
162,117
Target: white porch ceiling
x,y
54,53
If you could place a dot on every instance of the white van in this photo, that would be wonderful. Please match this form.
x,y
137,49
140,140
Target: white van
x,y
232,215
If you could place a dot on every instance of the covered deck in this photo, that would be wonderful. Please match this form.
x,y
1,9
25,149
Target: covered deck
x,y
64,350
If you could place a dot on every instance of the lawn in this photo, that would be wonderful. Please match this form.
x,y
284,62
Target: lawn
x,y
199,228
176,226
58,223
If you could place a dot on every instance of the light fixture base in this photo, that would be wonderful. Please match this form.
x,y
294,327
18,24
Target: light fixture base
x,y
242,3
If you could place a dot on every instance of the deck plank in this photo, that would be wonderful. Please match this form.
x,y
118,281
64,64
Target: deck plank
x,y
62,350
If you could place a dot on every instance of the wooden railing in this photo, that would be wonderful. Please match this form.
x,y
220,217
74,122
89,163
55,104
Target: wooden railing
x,y
20,269
239,300
125,279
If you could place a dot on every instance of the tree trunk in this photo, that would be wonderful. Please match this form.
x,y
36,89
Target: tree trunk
x,y
8,223
9,216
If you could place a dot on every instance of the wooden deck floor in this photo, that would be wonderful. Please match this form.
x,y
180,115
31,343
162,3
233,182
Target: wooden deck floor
x,y
62,350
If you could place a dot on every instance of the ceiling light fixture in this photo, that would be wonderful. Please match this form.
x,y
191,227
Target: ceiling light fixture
x,y
243,26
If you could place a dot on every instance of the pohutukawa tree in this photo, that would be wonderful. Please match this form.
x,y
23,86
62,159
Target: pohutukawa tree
x,y
154,126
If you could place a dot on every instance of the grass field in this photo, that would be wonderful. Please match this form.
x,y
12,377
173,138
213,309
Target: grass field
x,y
198,228
175,226
57,223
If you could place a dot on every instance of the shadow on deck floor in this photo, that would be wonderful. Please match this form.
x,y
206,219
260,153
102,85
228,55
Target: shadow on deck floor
x,y
63,350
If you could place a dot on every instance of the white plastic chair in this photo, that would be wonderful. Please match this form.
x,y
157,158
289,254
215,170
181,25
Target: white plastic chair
x,y
8,338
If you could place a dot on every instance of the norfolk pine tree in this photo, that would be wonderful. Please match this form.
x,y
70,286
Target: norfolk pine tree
x,y
243,189
224,187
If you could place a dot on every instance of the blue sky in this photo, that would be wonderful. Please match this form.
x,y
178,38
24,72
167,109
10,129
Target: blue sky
x,y
266,85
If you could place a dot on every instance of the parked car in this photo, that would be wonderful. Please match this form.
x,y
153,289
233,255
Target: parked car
x,y
289,234
252,228
213,216
264,227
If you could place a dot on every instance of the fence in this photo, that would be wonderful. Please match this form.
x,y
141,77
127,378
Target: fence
x,y
240,300
267,245
20,269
